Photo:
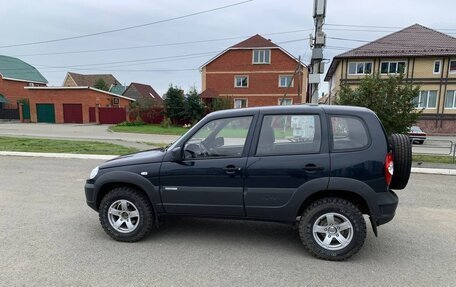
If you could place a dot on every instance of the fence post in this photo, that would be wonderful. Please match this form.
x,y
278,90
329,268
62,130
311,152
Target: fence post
x,y
21,113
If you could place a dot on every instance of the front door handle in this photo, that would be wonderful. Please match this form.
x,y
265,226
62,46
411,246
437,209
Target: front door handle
x,y
312,167
231,169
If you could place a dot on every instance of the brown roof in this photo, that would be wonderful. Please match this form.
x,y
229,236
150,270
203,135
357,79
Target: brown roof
x,y
147,91
413,41
90,80
255,42
209,93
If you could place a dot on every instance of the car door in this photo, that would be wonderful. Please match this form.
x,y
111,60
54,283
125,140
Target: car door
x,y
209,179
290,152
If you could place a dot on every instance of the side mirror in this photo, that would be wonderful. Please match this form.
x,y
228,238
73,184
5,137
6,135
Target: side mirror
x,y
220,141
176,154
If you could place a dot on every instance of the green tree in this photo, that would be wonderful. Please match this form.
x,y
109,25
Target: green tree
x,y
174,104
221,104
101,85
194,107
142,107
392,99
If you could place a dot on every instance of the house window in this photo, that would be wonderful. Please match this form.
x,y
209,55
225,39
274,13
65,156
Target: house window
x,y
453,67
437,67
240,103
392,67
241,81
285,81
450,99
426,99
261,56
359,68
285,102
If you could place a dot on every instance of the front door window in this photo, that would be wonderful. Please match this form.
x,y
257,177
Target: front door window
x,y
219,138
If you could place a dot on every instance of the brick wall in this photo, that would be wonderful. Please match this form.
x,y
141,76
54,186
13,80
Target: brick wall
x,y
262,100
14,91
58,97
438,126
263,79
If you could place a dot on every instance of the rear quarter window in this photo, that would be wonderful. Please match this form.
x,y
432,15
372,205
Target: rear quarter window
x,y
348,133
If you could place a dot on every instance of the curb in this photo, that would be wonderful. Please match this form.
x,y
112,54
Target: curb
x,y
439,171
58,155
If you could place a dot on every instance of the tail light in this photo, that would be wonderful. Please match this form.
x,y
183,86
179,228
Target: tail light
x,y
389,168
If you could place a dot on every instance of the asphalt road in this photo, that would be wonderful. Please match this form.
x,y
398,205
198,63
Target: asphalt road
x,y
49,237
83,132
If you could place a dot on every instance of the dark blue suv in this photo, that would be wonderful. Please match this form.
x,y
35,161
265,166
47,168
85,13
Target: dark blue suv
x,y
320,167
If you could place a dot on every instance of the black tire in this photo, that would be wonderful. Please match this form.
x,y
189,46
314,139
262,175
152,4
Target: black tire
x,y
402,156
421,142
136,203
339,208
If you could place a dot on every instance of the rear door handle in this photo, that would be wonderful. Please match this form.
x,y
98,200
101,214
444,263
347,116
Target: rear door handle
x,y
312,167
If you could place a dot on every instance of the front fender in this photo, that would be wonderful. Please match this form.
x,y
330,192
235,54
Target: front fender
x,y
126,177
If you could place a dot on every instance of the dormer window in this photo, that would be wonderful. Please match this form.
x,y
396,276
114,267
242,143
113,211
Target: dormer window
x,y
261,56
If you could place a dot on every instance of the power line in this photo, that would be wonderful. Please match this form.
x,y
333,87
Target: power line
x,y
131,61
129,27
380,31
146,60
381,27
346,39
157,45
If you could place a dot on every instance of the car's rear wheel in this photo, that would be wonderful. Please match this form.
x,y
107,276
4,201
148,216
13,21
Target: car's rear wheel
x,y
332,229
126,214
402,157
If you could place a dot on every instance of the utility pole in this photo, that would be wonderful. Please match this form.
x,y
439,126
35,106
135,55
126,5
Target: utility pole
x,y
317,43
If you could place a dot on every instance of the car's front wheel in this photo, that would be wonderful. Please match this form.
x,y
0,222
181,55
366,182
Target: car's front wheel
x,y
332,229
126,214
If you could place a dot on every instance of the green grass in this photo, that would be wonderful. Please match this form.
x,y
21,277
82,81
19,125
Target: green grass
x,y
62,146
174,130
150,129
432,158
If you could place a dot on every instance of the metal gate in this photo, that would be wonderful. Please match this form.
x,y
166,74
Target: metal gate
x,y
9,114
112,115
45,113
72,113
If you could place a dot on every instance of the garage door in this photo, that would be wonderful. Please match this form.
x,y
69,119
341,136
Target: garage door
x,y
45,113
72,113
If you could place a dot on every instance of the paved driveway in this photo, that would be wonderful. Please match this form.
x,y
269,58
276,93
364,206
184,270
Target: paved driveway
x,y
82,132
49,237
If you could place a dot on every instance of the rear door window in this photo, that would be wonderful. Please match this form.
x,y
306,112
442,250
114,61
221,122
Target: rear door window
x,y
289,134
348,133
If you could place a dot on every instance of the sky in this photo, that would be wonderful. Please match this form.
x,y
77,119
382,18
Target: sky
x,y
172,51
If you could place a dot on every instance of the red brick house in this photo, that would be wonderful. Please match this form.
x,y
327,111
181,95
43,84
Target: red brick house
x,y
76,105
255,72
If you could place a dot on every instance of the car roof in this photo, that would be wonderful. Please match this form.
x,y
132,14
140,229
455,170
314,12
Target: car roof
x,y
292,108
